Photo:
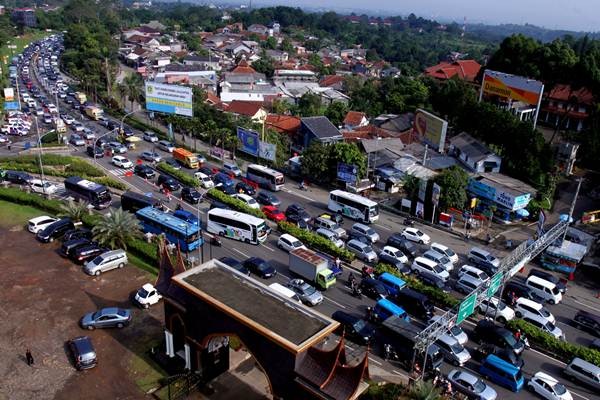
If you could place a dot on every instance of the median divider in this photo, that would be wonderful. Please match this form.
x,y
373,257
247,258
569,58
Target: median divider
x,y
236,204
314,241
181,176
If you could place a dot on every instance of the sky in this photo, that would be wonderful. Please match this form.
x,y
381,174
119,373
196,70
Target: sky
x,y
576,15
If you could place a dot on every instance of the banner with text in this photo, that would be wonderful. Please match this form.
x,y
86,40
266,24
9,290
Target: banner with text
x,y
169,99
431,129
249,141
512,87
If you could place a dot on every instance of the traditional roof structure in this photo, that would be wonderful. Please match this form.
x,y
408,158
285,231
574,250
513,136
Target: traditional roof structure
x,y
243,68
247,108
283,123
464,69
565,93
354,118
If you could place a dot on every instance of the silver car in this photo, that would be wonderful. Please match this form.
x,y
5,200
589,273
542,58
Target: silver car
x,y
165,145
110,317
453,351
471,385
150,156
105,262
307,293
362,250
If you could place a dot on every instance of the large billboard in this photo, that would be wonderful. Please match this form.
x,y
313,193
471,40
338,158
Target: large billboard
x,y
431,129
169,99
249,141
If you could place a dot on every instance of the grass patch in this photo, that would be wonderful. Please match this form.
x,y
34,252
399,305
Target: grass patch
x,y
141,264
12,214
147,373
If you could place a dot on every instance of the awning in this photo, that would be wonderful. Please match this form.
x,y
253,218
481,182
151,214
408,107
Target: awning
x,y
565,217
521,212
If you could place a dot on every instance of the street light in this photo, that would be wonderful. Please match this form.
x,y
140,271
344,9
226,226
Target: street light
x,y
96,141
37,130
123,119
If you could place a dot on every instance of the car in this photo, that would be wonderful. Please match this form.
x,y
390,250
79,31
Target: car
x,y
273,213
422,266
260,267
362,230
456,331
560,283
173,163
82,350
470,385
444,250
147,295
205,180
297,221
514,290
296,209
44,187
109,317
466,284
70,246
235,264
440,259
206,171
392,255
545,326
248,200
144,171
34,225
415,235
77,126
494,306
117,147
453,351
363,251
396,240
55,230
587,320
17,177
166,181
357,329
127,131
165,145
484,260
228,190
87,252
487,331
473,271
105,262
76,140
67,118
88,134
548,387
331,236
373,288
77,233
150,156
190,195
149,136
122,162
243,187
307,293
525,307
337,217
482,351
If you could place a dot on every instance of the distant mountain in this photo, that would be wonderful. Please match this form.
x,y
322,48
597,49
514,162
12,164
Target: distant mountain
x,y
499,32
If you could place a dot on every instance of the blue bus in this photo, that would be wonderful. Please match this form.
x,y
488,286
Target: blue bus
x,y
176,230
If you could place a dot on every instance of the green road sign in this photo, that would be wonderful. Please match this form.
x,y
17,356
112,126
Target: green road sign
x,y
494,284
466,307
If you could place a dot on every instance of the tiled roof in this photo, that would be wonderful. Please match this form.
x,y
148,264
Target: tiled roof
x,y
464,69
331,80
283,123
564,93
212,99
354,118
243,68
248,108
139,39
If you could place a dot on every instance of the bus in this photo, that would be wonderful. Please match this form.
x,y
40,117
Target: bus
x,y
186,157
236,225
132,201
92,192
353,206
265,177
177,231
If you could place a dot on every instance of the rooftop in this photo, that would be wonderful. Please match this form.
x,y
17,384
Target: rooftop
x,y
248,108
321,127
470,146
464,69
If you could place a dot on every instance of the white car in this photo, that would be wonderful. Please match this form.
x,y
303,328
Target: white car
x,y
529,308
150,137
44,187
394,253
415,235
68,119
122,162
473,271
445,250
37,224
249,200
147,295
548,387
456,331
205,181
288,243
503,313
545,326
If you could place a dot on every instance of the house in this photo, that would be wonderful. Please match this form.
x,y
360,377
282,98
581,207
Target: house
x,y
353,53
473,154
274,28
335,82
391,72
464,69
367,132
287,124
319,129
258,29
355,119
157,26
244,83
568,107
24,17
294,75
510,196
396,123
277,55
211,62
146,41
251,109
236,48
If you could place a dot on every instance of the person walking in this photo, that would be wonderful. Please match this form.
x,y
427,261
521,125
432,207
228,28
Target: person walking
x,y
29,357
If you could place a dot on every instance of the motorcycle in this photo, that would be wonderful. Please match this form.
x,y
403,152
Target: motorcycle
x,y
302,186
389,353
408,222
525,342
356,292
215,241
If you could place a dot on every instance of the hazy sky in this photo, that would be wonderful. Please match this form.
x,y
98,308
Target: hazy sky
x,y
578,15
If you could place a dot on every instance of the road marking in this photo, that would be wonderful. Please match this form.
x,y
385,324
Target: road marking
x,y
245,255
585,305
399,373
384,227
267,247
297,194
333,301
577,394
547,356
374,361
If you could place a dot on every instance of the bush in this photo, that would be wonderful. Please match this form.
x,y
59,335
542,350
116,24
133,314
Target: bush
x,y
17,196
148,252
544,341
315,241
181,176
236,204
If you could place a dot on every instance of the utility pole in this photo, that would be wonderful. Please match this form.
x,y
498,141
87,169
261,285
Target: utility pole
x,y
570,216
107,75
425,155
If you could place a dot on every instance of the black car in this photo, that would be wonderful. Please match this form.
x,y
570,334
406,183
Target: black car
x,y
70,246
144,171
17,177
87,252
414,303
227,189
396,240
356,329
77,234
206,171
173,163
55,230
235,264
190,195
243,187
545,275
296,209
83,352
587,320
513,290
168,182
373,288
297,220
97,151
267,199
507,355
260,267
488,332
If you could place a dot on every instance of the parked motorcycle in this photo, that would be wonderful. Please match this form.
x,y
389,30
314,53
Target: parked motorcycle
x,y
409,222
215,241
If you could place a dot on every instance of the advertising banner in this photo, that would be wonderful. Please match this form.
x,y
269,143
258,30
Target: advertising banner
x,y
11,106
249,141
169,99
266,150
513,87
422,189
9,94
347,172
435,194
431,129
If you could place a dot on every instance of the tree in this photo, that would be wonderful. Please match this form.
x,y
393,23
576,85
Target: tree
x,y
74,210
336,112
422,390
281,106
453,182
315,162
270,43
309,105
133,87
265,66
411,186
287,46
347,153
282,143
117,229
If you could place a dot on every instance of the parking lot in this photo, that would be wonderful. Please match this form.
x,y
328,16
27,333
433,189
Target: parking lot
x,y
43,298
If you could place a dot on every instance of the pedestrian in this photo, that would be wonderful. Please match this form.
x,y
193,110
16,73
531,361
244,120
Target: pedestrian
x,y
338,263
518,335
29,357
9,146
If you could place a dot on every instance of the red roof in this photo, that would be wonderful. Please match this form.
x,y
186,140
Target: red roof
x,y
354,118
367,132
331,80
464,69
243,68
283,123
564,93
139,39
212,99
248,108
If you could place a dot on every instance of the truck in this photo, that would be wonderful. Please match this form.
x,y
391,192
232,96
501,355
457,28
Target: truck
x,y
60,125
94,112
312,267
186,158
81,97
399,337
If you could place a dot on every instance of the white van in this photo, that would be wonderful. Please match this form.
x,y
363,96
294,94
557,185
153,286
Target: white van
x,y
445,250
584,371
282,290
205,180
545,289
525,307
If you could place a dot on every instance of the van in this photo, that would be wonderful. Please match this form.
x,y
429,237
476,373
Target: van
x,y
384,309
445,250
392,283
424,266
205,180
584,372
233,168
331,236
501,372
453,351
282,290
415,303
439,258
525,307
547,290
329,224
484,260
105,262
362,230
55,230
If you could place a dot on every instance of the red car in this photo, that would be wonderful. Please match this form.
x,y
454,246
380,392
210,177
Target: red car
x,y
273,213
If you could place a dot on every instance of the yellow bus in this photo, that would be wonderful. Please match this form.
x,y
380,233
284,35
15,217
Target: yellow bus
x,y
186,158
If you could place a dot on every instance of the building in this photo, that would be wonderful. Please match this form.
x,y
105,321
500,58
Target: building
x,y
319,129
251,109
24,17
211,62
473,154
258,29
464,69
568,107
287,124
401,124
355,119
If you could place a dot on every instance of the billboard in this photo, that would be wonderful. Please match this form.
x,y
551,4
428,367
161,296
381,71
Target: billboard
x,y
431,129
347,172
9,94
169,99
435,194
249,141
512,87
266,150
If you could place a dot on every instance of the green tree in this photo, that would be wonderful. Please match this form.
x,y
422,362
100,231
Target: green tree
x,y
287,46
265,66
282,143
117,229
281,106
270,43
422,390
453,182
133,87
347,153
309,105
336,112
315,162
74,210
411,185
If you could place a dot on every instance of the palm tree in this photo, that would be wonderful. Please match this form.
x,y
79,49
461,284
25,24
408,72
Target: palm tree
x,y
423,390
74,210
116,229
133,88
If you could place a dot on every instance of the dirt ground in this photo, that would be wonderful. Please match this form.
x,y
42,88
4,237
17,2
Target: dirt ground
x,y
41,301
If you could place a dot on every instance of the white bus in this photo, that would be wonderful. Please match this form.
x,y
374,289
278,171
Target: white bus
x,y
236,225
265,177
353,206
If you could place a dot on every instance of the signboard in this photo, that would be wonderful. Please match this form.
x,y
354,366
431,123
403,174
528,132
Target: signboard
x,y
266,150
494,284
11,105
511,202
169,99
9,94
249,141
422,189
512,87
467,307
347,172
219,153
435,194
431,129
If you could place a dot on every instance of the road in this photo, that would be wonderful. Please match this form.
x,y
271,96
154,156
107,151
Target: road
x,y
339,297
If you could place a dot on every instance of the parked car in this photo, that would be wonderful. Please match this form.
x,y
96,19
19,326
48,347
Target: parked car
x,y
168,182
548,387
260,267
147,295
150,156
55,230
363,251
307,293
396,240
415,235
466,284
356,329
560,283
109,317
243,187
273,213
76,140
471,385
235,264
165,145
77,233
34,225
105,262
87,252
445,250
248,200
44,187
122,162
149,136
144,171
82,350
287,242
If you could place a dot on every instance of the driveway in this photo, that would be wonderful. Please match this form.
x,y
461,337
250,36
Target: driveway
x,y
43,297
